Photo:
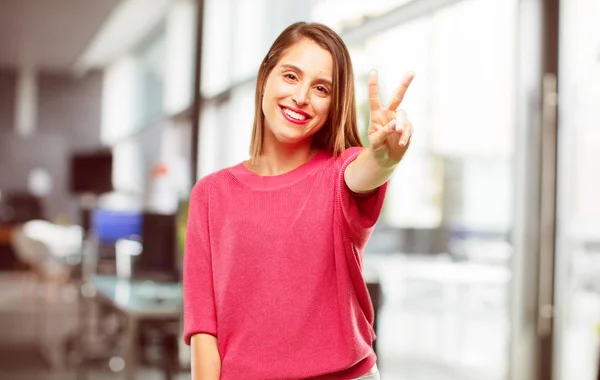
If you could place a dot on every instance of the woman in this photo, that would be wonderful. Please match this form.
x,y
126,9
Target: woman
x,y
272,274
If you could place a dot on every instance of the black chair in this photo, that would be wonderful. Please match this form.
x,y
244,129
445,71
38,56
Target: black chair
x,y
375,293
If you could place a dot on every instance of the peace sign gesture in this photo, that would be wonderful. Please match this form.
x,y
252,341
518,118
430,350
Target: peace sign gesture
x,y
389,128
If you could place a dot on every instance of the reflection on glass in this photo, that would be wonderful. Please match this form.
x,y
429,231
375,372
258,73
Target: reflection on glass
x,y
216,69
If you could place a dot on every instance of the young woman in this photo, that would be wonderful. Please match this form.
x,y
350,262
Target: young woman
x,y
272,276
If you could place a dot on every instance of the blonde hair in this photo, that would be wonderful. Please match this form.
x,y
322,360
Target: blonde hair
x,y
340,130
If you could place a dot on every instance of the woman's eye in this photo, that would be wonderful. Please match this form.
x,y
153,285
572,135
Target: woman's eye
x,y
322,89
290,76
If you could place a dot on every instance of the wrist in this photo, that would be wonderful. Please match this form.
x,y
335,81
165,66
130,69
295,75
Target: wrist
x,y
382,159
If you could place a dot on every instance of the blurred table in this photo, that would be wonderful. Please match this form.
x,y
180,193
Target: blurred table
x,y
140,298
138,301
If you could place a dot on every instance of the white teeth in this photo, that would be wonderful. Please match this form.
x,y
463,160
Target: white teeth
x,y
293,114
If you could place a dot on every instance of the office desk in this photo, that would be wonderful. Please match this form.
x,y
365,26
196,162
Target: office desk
x,y
138,301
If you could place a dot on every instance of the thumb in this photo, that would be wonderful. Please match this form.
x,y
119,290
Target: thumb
x,y
379,136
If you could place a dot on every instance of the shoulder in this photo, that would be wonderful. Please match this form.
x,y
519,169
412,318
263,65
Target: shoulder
x,y
210,182
349,155
352,151
335,163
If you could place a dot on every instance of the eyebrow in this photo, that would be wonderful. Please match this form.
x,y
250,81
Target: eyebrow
x,y
299,70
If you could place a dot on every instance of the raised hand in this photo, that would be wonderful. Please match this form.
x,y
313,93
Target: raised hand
x,y
389,127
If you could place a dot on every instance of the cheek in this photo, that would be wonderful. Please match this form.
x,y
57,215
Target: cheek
x,y
271,94
322,107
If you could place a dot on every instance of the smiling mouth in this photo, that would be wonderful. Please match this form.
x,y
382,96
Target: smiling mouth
x,y
294,116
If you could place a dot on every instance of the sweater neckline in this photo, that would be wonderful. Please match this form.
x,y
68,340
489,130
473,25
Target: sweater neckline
x,y
254,180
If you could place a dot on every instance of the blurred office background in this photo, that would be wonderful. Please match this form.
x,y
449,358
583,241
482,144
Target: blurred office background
x,y
484,264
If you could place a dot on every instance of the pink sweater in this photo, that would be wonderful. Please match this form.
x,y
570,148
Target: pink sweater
x,y
273,269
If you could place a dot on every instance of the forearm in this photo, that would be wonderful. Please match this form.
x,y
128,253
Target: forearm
x,y
205,359
366,173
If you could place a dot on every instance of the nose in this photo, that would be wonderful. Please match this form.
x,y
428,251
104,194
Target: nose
x,y
300,96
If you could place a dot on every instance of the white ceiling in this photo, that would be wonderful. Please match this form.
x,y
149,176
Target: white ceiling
x,y
49,34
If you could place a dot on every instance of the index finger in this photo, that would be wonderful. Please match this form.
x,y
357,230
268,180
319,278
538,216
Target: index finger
x,y
401,91
374,101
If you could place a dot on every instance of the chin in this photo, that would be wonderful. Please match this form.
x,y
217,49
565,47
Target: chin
x,y
291,139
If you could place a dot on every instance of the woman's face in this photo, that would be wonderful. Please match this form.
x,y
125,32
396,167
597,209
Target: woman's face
x,y
297,94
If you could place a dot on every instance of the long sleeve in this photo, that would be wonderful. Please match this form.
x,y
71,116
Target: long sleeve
x,y
198,287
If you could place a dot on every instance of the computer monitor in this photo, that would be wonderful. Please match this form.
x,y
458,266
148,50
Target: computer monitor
x,y
159,257
91,172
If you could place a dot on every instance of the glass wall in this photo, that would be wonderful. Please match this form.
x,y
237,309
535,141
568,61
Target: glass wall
x,y
442,249
577,286
147,94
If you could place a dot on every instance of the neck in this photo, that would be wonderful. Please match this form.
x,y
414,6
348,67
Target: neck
x,y
279,159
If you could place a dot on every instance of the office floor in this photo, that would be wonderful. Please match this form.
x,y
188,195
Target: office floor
x,y
428,329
